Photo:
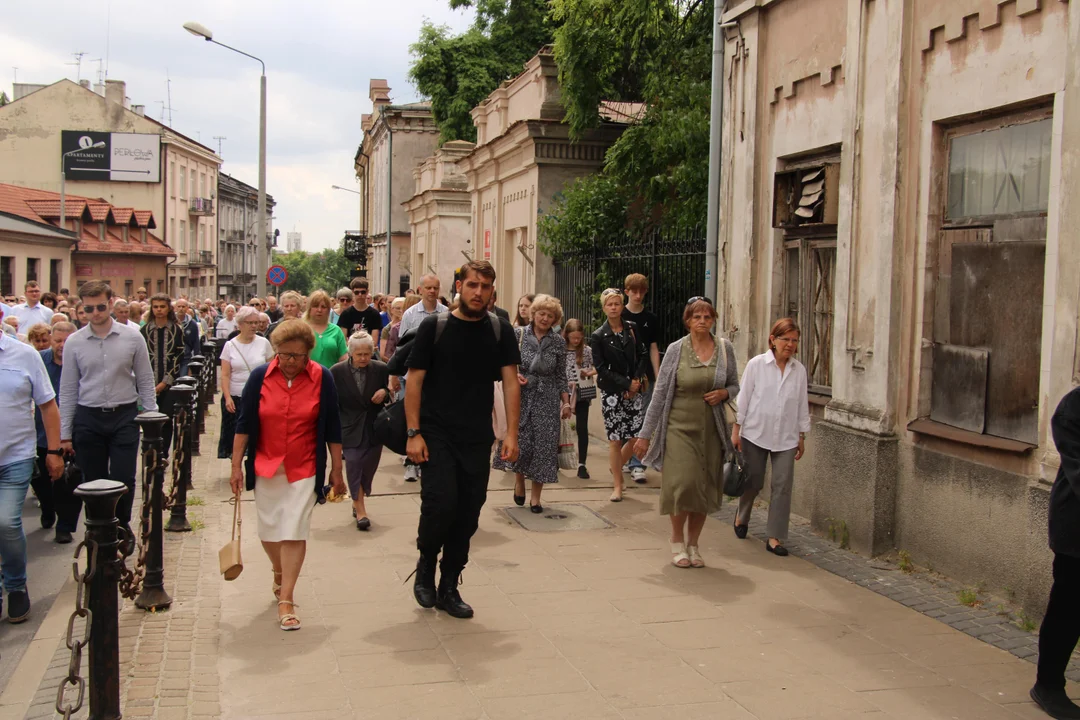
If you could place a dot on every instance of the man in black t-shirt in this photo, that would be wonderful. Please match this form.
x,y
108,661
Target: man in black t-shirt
x,y
360,316
648,329
448,404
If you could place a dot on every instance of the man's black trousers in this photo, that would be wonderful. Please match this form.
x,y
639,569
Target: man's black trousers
x,y
1060,628
106,446
453,488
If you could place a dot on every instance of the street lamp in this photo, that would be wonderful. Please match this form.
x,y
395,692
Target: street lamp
x,y
338,187
63,177
261,258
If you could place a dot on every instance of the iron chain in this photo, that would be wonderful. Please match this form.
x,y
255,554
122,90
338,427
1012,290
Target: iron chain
x,y
131,580
74,678
180,435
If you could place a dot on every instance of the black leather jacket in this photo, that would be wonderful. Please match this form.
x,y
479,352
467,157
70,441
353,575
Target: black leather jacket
x,y
618,359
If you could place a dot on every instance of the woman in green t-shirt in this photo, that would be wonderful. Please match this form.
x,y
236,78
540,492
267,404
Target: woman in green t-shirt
x,y
330,345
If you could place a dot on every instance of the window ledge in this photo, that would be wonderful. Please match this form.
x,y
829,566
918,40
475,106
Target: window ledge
x,y
819,400
926,426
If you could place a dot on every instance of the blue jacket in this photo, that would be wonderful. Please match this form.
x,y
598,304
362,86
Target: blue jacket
x,y
192,343
328,427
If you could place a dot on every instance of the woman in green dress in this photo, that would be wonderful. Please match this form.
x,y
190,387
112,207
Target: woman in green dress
x,y
684,429
330,344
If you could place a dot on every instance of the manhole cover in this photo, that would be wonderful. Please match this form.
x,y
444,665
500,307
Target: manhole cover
x,y
563,516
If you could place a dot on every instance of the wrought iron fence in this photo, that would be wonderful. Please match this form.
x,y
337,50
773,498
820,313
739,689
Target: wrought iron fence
x,y
673,260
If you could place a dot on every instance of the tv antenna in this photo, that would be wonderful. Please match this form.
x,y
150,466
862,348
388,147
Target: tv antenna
x,y
168,98
219,138
78,64
100,70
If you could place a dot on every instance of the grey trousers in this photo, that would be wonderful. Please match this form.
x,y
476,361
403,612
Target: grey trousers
x,y
783,474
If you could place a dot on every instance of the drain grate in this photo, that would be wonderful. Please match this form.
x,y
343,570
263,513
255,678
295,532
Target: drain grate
x,y
558,517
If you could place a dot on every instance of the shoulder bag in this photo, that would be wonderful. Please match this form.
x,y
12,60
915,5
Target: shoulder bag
x,y
229,556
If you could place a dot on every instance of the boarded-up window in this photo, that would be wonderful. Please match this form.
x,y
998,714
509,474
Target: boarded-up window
x,y
1000,172
989,289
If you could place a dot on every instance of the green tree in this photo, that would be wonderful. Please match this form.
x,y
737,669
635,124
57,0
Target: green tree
x,y
657,52
456,72
326,270
3,98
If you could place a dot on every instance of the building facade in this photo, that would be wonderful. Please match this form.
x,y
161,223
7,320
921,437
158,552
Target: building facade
x,y
896,177
522,159
103,242
440,213
181,196
238,245
410,130
294,241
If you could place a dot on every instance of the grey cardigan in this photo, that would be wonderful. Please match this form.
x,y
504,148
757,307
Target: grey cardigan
x,y
656,419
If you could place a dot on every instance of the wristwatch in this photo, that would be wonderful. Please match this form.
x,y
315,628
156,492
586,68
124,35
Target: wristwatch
x,y
58,451
412,432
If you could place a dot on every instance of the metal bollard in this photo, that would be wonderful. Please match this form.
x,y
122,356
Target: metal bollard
x,y
100,498
200,417
153,596
195,369
181,456
210,351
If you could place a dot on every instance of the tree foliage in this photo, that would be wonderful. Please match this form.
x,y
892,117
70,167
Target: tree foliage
x,y
325,270
456,72
657,52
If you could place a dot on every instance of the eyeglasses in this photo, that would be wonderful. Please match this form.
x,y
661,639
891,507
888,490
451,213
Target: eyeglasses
x,y
786,341
694,299
100,308
292,357
250,322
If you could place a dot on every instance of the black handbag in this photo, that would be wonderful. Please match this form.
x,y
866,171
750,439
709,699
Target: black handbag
x,y
391,430
736,477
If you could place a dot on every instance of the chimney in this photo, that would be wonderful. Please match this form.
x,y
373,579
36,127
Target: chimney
x,y
84,84
139,110
99,88
379,92
115,91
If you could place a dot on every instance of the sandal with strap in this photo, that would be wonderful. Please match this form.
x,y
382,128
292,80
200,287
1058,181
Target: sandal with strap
x,y
277,585
679,557
288,621
695,556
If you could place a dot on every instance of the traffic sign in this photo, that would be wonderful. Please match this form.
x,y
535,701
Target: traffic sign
x,y
277,275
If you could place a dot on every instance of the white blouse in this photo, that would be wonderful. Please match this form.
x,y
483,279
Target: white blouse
x,y
773,406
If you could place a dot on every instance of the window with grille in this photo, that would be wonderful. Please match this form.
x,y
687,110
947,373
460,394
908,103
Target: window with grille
x,y
809,276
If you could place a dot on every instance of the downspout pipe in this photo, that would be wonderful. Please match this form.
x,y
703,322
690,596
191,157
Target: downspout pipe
x,y
716,120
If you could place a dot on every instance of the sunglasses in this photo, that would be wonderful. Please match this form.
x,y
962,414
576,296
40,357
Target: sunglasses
x,y
99,308
694,299
361,292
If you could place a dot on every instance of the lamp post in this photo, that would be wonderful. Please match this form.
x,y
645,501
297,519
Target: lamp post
x,y
63,178
261,258
389,189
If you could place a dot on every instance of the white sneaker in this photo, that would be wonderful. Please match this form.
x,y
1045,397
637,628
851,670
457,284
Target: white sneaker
x,y
626,468
638,475
412,473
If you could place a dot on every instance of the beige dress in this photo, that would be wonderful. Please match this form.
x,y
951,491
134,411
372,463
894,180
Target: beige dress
x,y
694,452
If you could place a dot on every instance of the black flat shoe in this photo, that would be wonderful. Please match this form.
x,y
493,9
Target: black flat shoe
x,y
363,524
740,531
63,537
18,607
582,472
1054,703
536,508
778,550
519,500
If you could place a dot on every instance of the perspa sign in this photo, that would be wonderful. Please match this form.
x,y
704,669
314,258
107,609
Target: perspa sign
x,y
126,157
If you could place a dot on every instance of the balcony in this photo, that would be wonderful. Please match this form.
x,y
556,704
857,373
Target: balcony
x,y
200,257
235,236
201,206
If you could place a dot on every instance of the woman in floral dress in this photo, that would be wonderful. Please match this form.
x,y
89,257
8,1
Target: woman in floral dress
x,y
545,400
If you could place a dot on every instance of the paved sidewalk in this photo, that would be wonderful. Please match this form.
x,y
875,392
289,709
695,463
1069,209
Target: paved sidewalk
x,y
573,623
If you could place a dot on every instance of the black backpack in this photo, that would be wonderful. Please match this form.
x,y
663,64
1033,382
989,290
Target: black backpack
x,y
391,430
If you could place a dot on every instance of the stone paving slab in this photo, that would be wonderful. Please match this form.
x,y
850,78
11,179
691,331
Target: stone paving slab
x,y
579,623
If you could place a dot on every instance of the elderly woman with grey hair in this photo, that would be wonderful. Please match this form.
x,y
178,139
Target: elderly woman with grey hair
x,y
239,356
684,432
362,384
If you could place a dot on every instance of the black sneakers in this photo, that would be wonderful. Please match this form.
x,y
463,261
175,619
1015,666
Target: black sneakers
x,y
18,606
1055,703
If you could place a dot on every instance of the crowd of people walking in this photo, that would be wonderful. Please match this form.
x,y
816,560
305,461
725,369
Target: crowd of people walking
x,y
477,391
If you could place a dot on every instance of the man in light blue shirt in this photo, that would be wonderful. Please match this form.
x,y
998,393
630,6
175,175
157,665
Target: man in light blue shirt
x,y
32,312
23,384
107,374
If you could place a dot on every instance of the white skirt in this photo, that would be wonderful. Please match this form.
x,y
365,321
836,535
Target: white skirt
x,y
284,507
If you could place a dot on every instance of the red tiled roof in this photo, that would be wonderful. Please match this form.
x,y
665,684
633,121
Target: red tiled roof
x,y
43,206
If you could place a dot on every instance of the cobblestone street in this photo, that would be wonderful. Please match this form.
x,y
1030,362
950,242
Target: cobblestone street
x,y
581,623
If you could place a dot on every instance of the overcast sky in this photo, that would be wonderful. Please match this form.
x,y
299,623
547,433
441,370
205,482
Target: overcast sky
x,y
319,57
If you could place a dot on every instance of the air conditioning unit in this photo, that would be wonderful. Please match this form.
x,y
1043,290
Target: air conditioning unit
x,y
806,196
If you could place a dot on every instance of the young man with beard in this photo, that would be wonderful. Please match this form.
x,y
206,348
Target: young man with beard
x,y
165,343
454,362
